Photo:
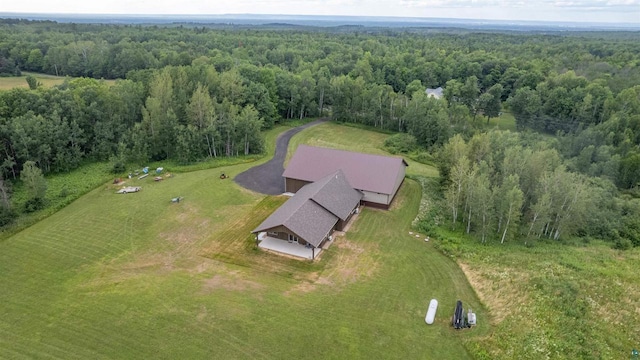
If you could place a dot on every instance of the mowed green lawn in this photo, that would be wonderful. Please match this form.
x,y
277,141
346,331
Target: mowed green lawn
x,y
136,276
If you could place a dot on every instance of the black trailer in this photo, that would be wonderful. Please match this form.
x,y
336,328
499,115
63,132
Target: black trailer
x,y
458,320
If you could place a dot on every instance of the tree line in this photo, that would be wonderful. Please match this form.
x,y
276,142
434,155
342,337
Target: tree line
x,y
502,186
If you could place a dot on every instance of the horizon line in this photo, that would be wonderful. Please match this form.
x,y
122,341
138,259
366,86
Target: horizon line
x,y
80,14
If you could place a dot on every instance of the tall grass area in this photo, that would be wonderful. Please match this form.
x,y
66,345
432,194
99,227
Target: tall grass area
x,y
555,301
549,300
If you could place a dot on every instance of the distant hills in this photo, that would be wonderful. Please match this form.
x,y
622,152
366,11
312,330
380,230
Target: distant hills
x,y
327,21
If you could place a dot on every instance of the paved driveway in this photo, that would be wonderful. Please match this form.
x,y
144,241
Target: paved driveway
x,y
267,178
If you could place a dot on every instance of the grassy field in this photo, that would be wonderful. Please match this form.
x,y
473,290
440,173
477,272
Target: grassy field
x,y
62,189
505,121
8,83
137,276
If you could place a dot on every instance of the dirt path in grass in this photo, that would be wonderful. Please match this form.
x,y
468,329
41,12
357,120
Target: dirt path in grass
x,y
267,178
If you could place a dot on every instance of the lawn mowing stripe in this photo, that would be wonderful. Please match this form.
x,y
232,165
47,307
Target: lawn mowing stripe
x,y
89,341
27,351
110,298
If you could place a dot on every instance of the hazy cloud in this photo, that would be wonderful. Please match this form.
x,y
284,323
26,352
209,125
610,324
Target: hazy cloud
x,y
548,10
455,3
600,5
609,4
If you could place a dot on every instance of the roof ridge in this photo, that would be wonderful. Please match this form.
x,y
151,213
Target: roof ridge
x,y
320,185
329,179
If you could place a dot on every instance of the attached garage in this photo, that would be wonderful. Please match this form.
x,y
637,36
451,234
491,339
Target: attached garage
x,y
377,177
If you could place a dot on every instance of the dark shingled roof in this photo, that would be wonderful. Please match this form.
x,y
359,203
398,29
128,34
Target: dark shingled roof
x,y
367,172
335,194
313,211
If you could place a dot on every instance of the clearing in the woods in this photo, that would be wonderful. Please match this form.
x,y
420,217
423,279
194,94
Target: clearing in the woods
x,y
113,276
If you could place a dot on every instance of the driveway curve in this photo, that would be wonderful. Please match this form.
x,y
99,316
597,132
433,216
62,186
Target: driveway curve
x,y
267,178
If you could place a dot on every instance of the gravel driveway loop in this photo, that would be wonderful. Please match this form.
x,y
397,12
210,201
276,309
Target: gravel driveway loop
x,y
267,178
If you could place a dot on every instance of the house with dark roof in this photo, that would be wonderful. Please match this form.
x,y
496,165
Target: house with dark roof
x,y
303,224
377,177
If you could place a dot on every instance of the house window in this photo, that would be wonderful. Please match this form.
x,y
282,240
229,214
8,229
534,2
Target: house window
x,y
293,238
272,233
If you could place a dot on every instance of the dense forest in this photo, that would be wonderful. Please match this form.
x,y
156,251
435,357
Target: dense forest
x,y
189,93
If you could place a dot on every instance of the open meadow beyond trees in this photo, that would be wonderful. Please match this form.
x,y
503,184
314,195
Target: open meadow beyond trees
x,y
8,83
136,276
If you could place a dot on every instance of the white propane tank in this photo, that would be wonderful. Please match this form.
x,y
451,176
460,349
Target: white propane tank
x,y
431,313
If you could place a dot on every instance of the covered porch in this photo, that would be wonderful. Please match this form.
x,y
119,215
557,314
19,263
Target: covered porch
x,y
286,247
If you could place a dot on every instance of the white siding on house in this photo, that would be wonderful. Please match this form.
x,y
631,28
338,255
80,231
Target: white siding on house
x,y
375,197
399,180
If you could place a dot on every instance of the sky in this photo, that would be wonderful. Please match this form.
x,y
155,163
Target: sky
x,y
609,11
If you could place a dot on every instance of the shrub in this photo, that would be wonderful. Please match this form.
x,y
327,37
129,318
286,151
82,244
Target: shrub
x,y
118,167
6,216
34,204
631,229
400,143
422,157
623,244
32,82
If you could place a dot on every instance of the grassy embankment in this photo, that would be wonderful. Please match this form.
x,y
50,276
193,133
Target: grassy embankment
x,y
556,301
136,276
